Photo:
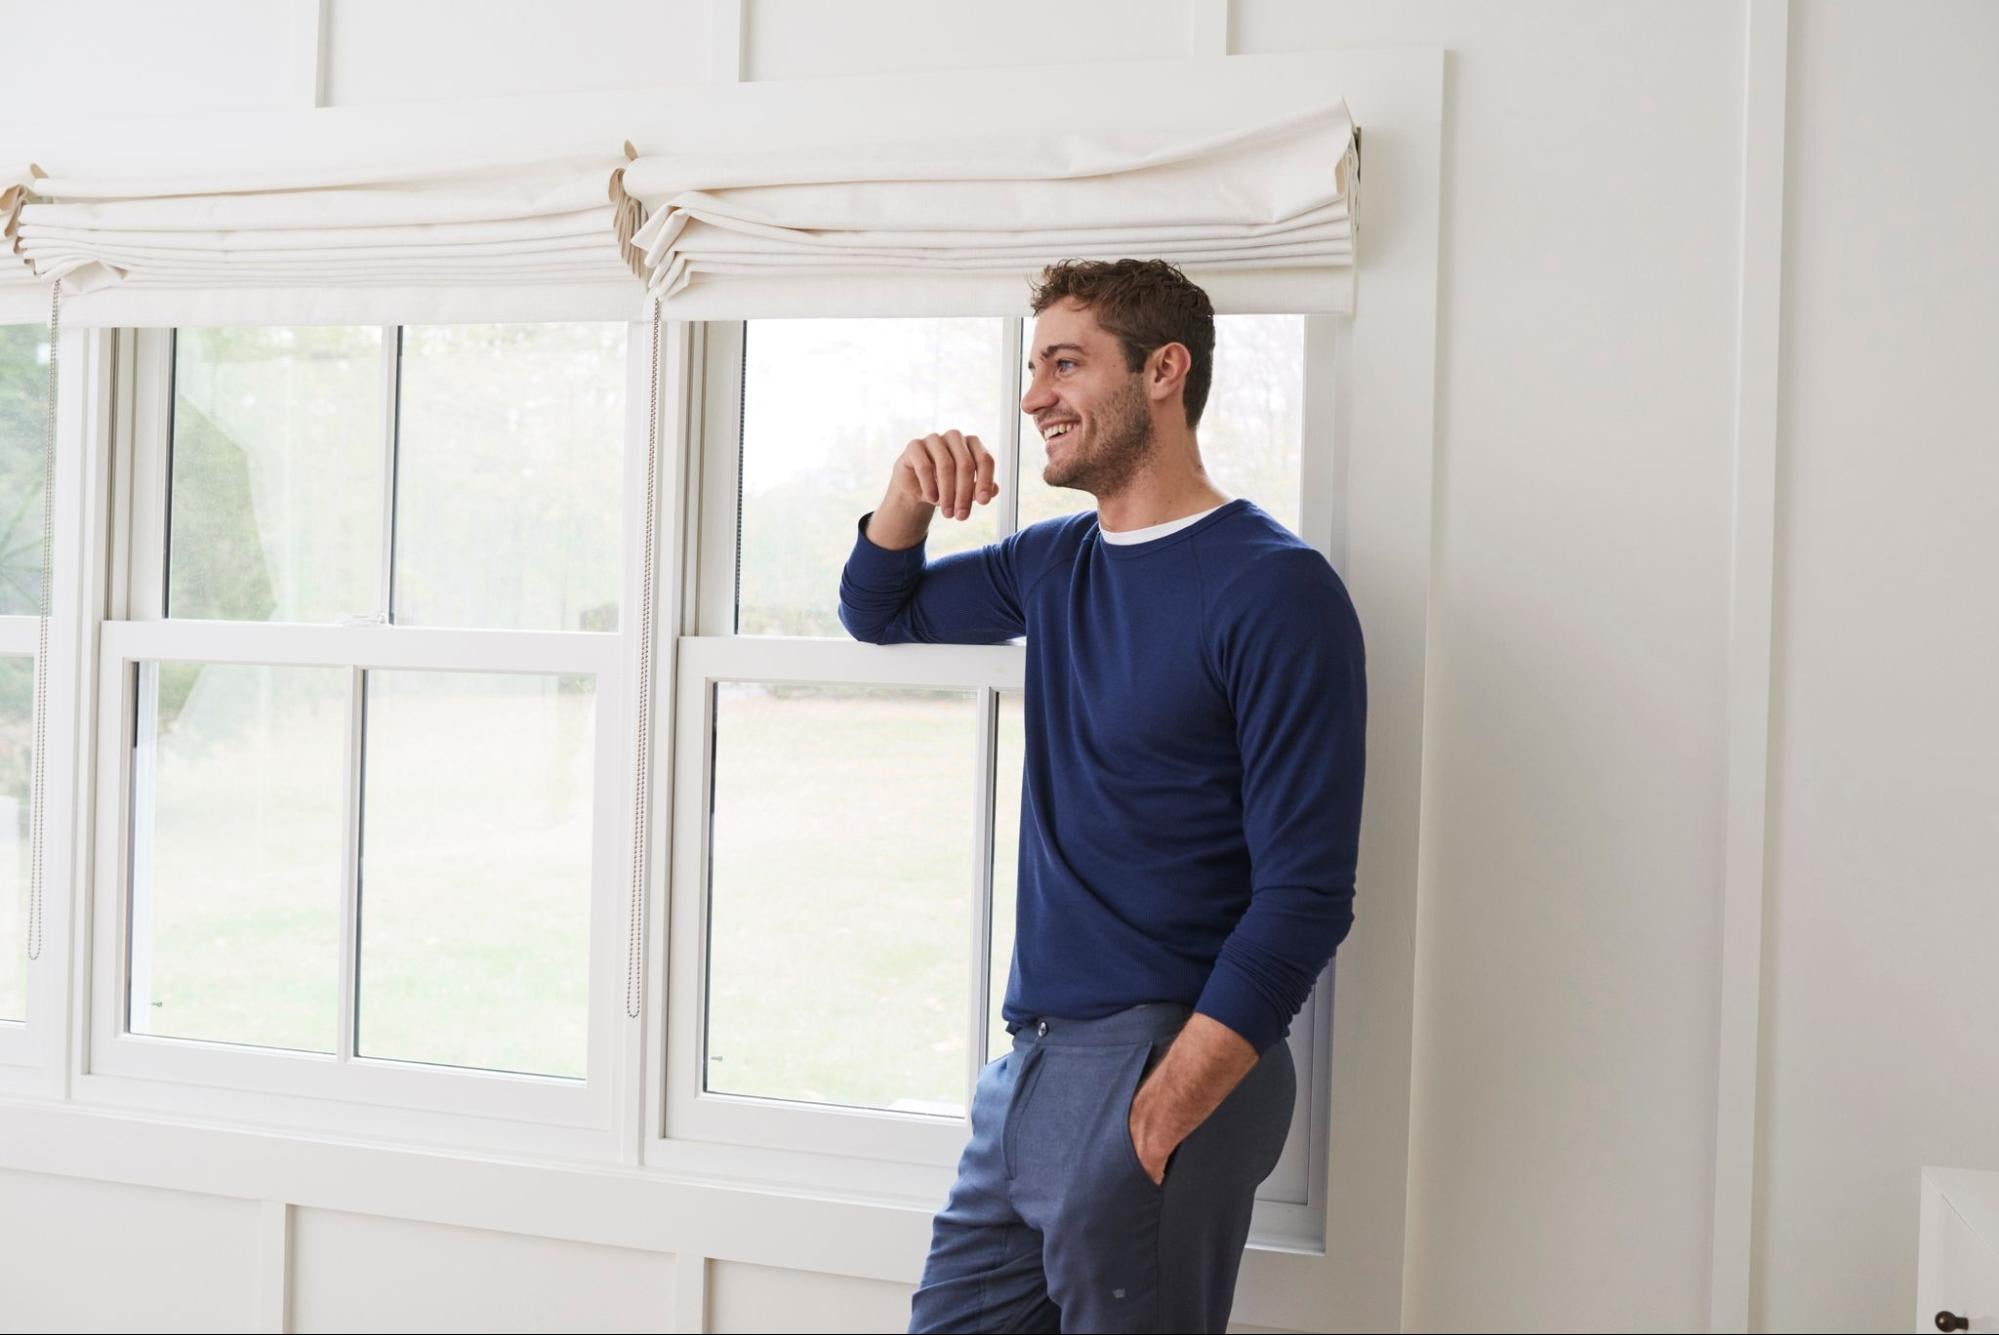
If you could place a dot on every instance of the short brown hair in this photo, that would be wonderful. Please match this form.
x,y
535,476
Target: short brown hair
x,y
1147,304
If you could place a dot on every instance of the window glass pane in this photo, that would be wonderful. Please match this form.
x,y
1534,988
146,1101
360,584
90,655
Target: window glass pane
x,y
275,512
475,869
1253,426
238,840
828,406
840,895
1250,430
509,474
17,709
1010,763
24,392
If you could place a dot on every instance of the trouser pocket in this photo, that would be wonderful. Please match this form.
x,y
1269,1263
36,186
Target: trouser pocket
x,y
1131,1075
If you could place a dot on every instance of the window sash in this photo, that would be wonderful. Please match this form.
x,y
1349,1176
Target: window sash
x,y
692,1112
345,1075
771,1137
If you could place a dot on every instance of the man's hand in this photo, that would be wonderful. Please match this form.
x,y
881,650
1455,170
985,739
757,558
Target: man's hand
x,y
1206,1061
944,471
947,469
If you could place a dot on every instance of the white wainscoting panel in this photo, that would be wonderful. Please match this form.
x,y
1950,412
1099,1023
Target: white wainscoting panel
x,y
356,1272
80,1254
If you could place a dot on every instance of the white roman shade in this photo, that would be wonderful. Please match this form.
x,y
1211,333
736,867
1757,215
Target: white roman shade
x,y
1262,214
939,193
500,240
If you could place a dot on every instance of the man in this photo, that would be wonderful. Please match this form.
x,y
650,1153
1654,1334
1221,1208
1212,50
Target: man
x,y
1195,706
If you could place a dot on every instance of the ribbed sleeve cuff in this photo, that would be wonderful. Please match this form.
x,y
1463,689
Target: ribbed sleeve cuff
x,y
1232,999
879,567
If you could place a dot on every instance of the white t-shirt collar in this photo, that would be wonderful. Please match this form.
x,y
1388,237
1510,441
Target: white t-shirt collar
x,y
1156,530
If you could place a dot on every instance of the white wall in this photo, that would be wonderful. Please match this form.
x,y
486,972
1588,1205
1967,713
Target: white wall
x,y
1881,1051
355,1272
77,1254
1568,951
1567,961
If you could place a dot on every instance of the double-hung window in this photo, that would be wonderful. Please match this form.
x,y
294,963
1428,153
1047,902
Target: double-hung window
x,y
846,826
361,722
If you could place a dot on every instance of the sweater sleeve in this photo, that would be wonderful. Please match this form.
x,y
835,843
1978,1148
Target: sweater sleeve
x,y
1289,653
969,597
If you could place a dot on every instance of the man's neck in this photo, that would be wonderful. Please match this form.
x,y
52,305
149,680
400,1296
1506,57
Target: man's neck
x,y
1139,507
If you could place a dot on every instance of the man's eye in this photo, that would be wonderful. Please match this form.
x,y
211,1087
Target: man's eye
x,y
1063,361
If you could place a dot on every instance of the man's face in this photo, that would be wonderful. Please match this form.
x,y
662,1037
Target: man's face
x,y
1075,378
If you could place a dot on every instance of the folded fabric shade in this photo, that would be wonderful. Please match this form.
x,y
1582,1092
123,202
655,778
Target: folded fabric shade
x,y
787,213
854,229
269,248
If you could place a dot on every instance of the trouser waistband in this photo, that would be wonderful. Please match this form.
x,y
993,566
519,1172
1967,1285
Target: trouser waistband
x,y
1135,1024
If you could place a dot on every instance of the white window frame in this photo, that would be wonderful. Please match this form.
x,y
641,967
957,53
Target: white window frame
x,y
343,1090
767,1137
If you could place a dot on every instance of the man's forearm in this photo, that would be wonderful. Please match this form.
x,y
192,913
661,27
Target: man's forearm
x,y
898,524
1206,1061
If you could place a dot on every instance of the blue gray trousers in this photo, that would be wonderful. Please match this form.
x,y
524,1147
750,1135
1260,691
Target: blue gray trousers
x,y
1054,1225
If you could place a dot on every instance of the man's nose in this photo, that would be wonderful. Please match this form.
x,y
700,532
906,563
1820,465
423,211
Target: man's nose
x,y
1035,399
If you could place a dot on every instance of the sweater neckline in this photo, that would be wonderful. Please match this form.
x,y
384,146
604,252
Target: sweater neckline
x,y
1127,551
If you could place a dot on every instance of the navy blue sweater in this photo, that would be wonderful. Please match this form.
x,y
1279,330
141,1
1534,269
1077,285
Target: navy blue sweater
x,y
1195,710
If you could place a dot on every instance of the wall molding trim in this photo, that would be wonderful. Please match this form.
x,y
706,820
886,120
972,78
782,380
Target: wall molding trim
x,y
1752,582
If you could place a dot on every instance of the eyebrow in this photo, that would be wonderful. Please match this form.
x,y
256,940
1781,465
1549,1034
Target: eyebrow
x,y
1054,348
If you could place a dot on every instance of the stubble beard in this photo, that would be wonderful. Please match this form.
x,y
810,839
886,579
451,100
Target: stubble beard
x,y
1123,444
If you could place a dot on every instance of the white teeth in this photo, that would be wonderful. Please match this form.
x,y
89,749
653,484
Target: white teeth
x,y
1054,431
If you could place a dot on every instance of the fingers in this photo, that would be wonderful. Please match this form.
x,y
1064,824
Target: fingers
x,y
968,472
986,488
917,456
951,471
944,473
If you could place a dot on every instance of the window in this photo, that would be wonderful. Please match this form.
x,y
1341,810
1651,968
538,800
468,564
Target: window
x,y
24,360
361,723
846,825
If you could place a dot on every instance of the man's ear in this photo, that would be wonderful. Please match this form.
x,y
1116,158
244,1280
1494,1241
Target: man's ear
x,y
1166,371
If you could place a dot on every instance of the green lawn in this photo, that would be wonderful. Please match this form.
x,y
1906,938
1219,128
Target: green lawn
x,y
843,895
843,892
